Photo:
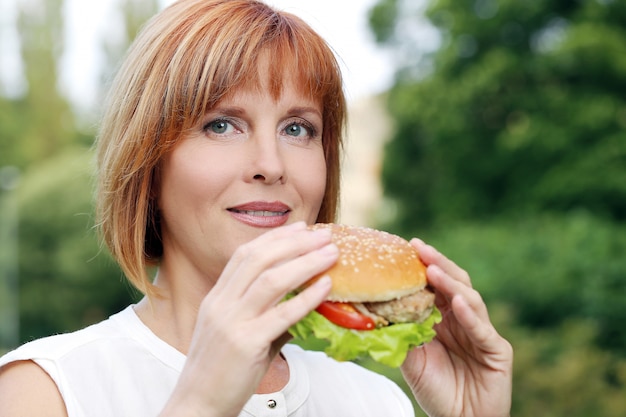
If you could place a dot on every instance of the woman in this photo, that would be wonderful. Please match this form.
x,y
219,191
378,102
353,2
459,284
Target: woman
x,y
220,143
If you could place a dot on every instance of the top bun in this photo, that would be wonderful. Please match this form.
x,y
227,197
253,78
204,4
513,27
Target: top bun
x,y
372,266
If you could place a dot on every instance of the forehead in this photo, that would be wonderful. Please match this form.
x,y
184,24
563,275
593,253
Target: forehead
x,y
278,82
277,51
271,72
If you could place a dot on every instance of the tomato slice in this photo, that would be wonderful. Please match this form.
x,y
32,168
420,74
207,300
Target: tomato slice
x,y
345,315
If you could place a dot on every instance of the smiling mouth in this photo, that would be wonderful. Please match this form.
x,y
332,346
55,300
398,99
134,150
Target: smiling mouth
x,y
263,214
260,213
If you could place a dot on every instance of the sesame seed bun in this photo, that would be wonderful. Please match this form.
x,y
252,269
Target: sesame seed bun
x,y
373,265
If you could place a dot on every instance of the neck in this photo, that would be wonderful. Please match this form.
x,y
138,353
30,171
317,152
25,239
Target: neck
x,y
172,316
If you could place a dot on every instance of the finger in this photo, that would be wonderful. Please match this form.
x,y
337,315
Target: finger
x,y
431,256
254,257
273,284
477,327
265,239
449,288
289,312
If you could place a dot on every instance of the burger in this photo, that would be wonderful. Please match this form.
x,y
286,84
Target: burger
x,y
379,303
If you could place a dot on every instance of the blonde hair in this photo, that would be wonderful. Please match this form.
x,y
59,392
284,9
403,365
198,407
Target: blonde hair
x,y
182,63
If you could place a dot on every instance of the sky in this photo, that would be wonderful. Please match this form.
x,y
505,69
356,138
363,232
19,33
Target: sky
x,y
367,68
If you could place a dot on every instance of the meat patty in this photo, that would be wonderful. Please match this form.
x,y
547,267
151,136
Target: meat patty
x,y
412,308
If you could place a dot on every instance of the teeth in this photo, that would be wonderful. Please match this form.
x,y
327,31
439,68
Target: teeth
x,y
262,213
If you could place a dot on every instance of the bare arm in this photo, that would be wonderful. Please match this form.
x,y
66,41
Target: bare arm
x,y
27,390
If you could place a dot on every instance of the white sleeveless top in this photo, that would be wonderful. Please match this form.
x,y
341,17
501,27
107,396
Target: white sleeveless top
x,y
119,368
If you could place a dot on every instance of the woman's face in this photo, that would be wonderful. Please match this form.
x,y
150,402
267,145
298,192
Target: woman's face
x,y
252,164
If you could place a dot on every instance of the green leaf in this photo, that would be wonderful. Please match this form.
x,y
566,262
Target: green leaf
x,y
387,345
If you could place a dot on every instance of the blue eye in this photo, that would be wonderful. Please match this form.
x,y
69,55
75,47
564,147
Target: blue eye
x,y
219,127
296,130
300,130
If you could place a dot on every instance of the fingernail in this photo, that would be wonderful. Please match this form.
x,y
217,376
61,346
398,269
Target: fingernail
x,y
330,250
322,233
323,282
297,225
435,269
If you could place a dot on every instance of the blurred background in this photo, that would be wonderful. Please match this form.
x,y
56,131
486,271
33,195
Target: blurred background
x,y
493,129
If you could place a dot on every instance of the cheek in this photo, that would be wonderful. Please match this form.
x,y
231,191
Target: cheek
x,y
321,181
312,182
188,176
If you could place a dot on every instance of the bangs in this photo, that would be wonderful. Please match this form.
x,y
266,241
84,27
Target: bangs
x,y
225,54
184,61
291,57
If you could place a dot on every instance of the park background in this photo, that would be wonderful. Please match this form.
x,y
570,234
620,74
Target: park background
x,y
504,146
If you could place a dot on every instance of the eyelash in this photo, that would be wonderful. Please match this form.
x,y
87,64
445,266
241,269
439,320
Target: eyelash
x,y
207,126
311,130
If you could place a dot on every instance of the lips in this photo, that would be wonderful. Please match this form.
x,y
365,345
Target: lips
x,y
261,213
264,213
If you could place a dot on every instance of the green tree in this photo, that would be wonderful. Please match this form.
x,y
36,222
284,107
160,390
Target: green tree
x,y
548,269
67,280
562,374
521,115
523,110
509,155
35,125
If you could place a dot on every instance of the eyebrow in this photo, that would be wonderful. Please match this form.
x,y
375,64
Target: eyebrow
x,y
230,110
302,110
236,111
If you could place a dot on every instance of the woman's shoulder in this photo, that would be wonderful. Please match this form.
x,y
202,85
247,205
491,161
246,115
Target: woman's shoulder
x,y
27,390
98,366
57,346
30,375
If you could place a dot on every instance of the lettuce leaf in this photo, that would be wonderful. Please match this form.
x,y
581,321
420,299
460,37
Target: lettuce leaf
x,y
387,345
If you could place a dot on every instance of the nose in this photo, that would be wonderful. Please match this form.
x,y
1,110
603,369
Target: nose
x,y
267,162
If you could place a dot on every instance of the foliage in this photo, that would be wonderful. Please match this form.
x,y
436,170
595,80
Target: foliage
x,y
561,373
549,270
66,279
523,111
40,123
521,133
509,155
382,19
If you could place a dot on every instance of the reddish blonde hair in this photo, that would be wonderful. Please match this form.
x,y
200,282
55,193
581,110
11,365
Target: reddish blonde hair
x,y
182,63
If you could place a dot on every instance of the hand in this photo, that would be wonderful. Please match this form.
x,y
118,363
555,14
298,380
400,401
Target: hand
x,y
467,369
242,322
